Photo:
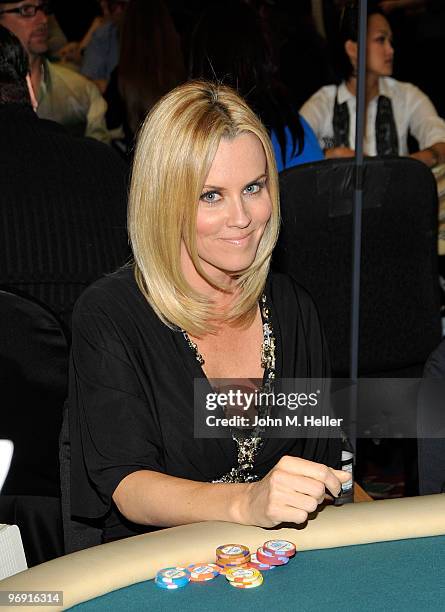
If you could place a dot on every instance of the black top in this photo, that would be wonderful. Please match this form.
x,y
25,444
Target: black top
x,y
131,394
63,207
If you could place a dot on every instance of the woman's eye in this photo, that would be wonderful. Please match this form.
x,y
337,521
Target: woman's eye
x,y
254,188
210,197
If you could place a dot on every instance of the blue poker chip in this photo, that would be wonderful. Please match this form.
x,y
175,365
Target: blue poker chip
x,y
170,587
173,576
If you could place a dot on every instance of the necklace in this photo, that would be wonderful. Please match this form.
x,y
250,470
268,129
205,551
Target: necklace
x,y
249,445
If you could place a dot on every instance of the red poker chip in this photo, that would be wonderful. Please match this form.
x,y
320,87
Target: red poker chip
x,y
271,559
256,563
281,548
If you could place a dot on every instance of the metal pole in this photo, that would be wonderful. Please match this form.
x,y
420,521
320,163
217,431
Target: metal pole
x,y
358,191
357,222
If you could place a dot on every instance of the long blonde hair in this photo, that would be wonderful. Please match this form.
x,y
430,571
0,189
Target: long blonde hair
x,y
175,149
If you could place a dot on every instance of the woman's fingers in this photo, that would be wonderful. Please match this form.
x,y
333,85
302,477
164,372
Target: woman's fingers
x,y
330,478
291,490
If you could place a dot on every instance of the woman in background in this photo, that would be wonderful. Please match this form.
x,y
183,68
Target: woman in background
x,y
230,45
150,65
393,108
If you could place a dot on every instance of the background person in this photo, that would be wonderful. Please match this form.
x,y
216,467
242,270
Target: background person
x,y
62,95
393,109
62,199
249,65
101,53
151,64
71,54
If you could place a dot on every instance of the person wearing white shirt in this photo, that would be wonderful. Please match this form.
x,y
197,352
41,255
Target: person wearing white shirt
x,y
393,109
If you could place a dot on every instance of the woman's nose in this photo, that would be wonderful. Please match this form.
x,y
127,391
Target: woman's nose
x,y
238,213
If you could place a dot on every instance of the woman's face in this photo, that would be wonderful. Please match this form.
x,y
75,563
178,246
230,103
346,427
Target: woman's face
x,y
380,52
233,210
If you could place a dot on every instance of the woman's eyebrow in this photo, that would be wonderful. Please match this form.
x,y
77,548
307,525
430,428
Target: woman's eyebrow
x,y
216,188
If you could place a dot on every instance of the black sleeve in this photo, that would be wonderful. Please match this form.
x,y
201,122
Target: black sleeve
x,y
305,355
325,450
113,424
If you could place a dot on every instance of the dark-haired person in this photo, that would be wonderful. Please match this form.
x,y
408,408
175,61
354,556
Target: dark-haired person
x,y
393,108
62,198
150,65
62,94
238,53
101,54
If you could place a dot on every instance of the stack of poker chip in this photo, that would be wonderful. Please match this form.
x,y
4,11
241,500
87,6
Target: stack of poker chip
x,y
172,578
244,577
229,556
242,569
203,572
275,552
255,563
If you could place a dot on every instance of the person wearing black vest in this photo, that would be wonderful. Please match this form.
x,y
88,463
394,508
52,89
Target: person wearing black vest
x,y
393,109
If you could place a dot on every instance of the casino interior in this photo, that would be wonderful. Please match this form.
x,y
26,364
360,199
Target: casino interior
x,y
363,232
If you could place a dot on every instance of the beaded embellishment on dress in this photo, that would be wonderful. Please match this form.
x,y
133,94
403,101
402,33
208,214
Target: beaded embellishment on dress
x,y
249,445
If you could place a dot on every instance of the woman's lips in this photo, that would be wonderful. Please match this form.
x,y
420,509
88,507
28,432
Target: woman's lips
x,y
237,240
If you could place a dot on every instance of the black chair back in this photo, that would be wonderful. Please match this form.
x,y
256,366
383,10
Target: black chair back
x,y
431,420
33,384
400,303
34,349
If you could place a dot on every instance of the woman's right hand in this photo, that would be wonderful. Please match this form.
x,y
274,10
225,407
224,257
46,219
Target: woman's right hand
x,y
289,492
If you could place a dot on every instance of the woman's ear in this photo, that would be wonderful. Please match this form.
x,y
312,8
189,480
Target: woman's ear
x,y
351,52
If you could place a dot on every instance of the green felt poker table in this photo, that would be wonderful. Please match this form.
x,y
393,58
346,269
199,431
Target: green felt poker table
x,y
382,555
398,575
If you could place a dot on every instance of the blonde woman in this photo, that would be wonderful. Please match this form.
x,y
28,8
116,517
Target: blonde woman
x,y
198,302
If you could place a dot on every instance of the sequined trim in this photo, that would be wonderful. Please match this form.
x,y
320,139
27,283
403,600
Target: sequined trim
x,y
249,446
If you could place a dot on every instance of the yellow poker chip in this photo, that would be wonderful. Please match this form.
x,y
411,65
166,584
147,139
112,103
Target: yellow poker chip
x,y
252,585
232,551
243,575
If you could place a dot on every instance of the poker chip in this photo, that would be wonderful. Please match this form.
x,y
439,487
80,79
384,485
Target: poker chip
x,y
223,569
283,548
251,585
269,559
234,562
203,572
232,551
172,577
229,556
169,587
255,563
243,575
242,569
